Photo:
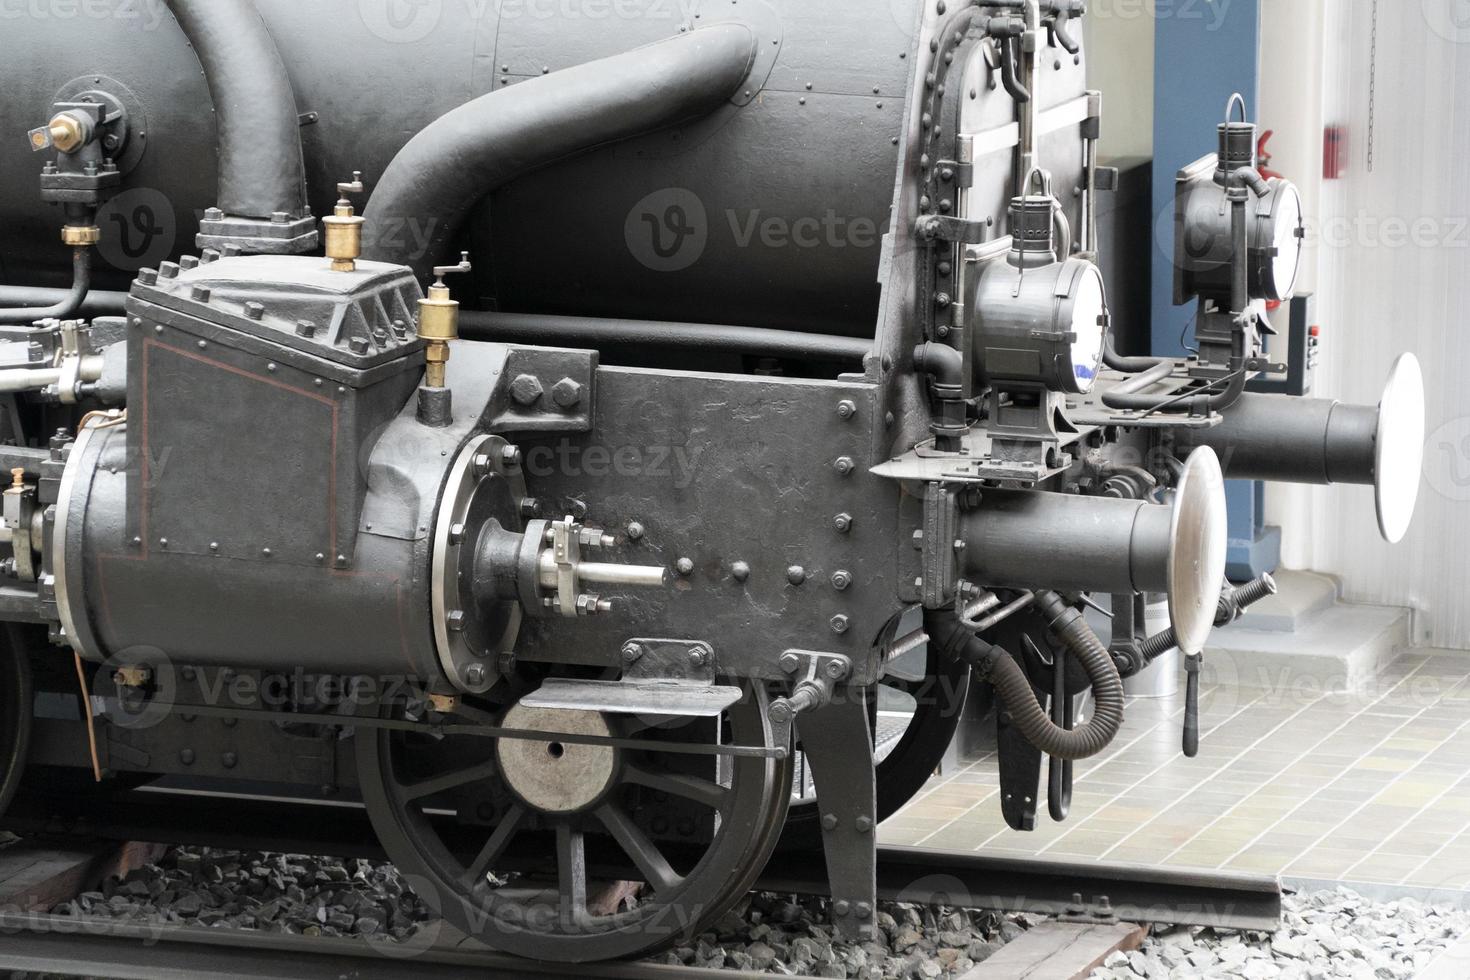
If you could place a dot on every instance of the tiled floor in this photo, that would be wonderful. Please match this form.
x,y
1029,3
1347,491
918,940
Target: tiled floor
x,y
1371,787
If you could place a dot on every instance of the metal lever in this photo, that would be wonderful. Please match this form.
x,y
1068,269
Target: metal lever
x,y
1191,705
440,271
1058,771
354,186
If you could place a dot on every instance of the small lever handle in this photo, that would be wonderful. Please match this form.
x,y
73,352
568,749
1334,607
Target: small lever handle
x,y
1191,705
351,187
440,271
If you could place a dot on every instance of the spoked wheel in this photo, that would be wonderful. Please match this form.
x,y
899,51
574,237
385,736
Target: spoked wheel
x,y
548,838
906,765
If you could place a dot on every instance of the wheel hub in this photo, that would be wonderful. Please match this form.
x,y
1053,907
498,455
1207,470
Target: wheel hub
x,y
556,776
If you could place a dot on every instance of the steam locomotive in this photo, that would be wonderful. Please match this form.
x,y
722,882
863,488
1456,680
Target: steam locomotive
x,y
784,374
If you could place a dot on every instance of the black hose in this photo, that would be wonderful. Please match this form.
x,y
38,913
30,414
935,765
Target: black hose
x,y
555,331
471,150
260,163
1015,691
68,305
15,713
1128,365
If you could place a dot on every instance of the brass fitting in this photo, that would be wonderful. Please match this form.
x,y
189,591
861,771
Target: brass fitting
x,y
344,228
79,236
18,478
66,132
439,322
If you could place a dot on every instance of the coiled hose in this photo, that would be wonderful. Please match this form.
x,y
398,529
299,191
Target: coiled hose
x,y
1014,688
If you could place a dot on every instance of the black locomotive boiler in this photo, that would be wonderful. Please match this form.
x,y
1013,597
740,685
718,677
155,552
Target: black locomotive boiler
x,y
691,373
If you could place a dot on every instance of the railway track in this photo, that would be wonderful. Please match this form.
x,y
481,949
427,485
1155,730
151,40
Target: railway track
x,y
1084,890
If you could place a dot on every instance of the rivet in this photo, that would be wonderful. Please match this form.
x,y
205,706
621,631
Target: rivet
x,y
740,571
265,552
842,522
271,367
228,760
186,756
846,409
631,652
203,344
635,531
163,542
685,566
214,546
843,465
796,575
841,907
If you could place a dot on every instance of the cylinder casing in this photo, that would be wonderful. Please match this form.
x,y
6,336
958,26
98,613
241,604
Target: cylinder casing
x,y
1295,440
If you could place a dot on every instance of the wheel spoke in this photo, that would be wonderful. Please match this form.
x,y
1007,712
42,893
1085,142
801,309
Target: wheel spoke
x,y
448,780
495,846
686,787
571,870
644,852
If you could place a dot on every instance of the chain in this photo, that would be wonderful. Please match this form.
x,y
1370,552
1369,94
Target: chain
x,y
1372,85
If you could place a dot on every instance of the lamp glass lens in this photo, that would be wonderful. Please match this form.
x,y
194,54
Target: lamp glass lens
x,y
1288,217
1087,312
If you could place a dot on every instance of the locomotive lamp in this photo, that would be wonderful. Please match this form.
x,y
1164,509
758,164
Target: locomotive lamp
x,y
1225,212
1039,320
344,228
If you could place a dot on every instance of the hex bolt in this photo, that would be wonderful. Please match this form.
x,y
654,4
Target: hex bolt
x,y
839,623
228,760
631,652
836,669
455,620
699,656
918,540
256,310
841,907
841,579
567,393
186,756
844,465
168,269
864,910
635,531
358,345
796,575
829,821
842,522
474,675
481,463
200,294
526,389
740,570
685,566
530,507
510,456
846,408
456,533
863,824
790,662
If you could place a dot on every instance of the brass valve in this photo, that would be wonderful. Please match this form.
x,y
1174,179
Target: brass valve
x,y
80,236
439,322
344,228
66,131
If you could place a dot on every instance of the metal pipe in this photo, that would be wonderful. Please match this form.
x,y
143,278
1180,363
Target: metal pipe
x,y
552,331
67,303
471,150
260,164
1296,440
610,573
28,379
1030,540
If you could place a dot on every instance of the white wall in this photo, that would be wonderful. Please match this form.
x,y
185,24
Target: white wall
x,y
1394,276
1118,39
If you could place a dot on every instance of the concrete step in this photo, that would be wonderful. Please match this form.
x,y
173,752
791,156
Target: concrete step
x,y
1338,648
1301,596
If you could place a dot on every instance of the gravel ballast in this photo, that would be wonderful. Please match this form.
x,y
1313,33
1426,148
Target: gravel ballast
x,y
1328,935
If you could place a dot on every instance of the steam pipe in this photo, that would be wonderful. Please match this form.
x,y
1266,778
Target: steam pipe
x,y
67,304
473,149
536,328
260,163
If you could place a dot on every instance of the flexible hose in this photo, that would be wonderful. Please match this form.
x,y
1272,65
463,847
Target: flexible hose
x,y
68,305
17,694
1016,693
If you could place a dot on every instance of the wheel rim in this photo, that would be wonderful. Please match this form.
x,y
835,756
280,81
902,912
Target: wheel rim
x,y
554,914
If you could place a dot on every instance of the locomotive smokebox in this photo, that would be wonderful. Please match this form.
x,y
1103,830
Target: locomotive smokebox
x,y
1321,441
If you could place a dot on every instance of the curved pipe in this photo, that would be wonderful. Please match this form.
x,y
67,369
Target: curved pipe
x,y
1128,365
945,364
67,305
471,150
1015,690
260,164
